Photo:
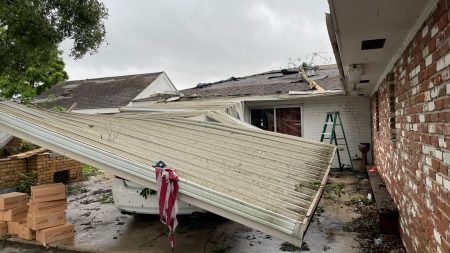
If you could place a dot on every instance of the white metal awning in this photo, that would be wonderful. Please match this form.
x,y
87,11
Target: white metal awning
x,y
257,178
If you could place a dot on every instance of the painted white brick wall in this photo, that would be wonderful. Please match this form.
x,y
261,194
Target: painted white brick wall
x,y
355,114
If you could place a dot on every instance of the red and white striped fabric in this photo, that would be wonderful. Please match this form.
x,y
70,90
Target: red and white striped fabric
x,y
167,188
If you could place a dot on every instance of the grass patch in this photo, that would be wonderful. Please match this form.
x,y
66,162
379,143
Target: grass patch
x,y
89,171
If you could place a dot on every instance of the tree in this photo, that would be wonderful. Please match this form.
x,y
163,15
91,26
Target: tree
x,y
34,80
31,30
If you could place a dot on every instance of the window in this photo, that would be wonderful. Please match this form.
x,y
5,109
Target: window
x,y
286,120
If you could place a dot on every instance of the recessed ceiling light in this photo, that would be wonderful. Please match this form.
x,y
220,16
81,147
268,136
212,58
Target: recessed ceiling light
x,y
372,44
364,81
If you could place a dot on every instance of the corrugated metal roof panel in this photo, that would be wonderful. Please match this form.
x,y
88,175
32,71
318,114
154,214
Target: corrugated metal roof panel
x,y
258,178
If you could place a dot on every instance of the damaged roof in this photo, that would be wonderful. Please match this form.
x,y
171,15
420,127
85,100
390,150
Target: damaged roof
x,y
106,92
261,179
272,82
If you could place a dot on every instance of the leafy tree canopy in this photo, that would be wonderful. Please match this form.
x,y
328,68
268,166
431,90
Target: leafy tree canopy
x,y
34,79
30,32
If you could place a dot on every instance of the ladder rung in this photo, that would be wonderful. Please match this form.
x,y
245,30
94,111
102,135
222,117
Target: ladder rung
x,y
326,133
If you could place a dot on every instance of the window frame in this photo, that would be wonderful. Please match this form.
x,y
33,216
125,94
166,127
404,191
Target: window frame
x,y
274,108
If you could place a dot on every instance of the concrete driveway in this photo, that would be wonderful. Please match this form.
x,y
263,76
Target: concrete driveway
x,y
100,227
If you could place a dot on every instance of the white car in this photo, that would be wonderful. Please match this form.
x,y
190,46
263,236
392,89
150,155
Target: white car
x,y
129,200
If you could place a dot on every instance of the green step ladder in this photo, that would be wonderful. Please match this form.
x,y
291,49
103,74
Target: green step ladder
x,y
334,119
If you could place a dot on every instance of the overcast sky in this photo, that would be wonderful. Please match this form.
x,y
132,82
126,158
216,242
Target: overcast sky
x,y
204,41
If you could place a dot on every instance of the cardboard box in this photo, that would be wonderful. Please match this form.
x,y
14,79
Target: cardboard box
x,y
13,200
3,228
54,234
14,214
24,232
48,192
36,222
47,207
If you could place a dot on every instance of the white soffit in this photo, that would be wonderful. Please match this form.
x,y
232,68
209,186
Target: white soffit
x,y
356,20
246,175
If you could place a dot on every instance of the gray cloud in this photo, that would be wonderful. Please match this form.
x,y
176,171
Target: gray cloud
x,y
201,41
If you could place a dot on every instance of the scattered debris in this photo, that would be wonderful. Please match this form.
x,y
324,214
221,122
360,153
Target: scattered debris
x,y
285,246
368,228
146,192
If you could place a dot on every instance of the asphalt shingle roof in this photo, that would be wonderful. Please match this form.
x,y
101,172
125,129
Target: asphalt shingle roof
x,y
106,92
272,82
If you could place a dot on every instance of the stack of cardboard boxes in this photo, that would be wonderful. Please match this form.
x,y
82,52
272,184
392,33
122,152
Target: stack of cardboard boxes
x,y
44,219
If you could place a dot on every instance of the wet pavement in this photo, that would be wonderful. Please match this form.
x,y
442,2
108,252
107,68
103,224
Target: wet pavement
x,y
100,227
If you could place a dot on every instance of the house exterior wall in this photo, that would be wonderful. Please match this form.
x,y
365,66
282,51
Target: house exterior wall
x,y
355,115
354,111
416,165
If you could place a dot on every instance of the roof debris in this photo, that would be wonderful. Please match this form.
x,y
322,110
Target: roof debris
x,y
241,173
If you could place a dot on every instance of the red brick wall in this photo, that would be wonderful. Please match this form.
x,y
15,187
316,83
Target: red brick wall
x,y
416,165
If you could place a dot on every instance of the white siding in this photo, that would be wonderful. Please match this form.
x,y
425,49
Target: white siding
x,y
354,111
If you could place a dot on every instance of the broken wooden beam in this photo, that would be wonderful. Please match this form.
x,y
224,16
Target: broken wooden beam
x,y
312,84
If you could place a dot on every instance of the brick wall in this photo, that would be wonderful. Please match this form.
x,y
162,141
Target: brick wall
x,y
354,111
45,165
413,155
10,172
355,115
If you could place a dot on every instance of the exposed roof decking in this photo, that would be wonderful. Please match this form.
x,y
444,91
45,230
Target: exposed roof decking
x,y
251,174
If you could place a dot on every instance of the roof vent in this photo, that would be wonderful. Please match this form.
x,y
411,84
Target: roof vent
x,y
372,44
